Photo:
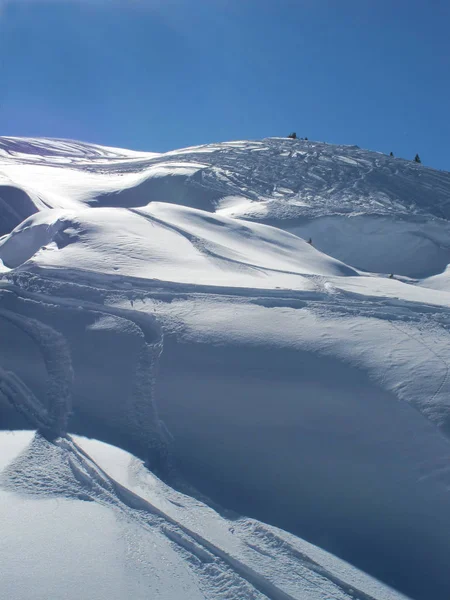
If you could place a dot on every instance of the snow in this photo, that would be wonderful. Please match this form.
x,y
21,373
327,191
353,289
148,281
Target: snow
x,y
57,545
167,243
338,195
117,530
411,246
439,282
167,307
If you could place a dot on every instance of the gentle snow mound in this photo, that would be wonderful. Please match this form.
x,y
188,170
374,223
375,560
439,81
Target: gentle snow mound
x,y
338,195
168,243
118,532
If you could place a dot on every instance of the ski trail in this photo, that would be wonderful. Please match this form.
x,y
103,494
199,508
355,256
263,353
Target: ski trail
x,y
274,544
105,489
143,416
440,359
53,420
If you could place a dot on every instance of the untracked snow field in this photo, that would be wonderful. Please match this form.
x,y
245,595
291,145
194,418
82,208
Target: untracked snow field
x,y
195,402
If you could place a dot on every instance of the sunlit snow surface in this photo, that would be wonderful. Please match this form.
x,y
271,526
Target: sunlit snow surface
x,y
146,302
348,200
82,519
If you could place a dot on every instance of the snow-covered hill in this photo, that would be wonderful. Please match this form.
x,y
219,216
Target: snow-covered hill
x,y
111,530
145,302
374,212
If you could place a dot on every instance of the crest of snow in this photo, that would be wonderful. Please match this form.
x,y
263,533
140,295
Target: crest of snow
x,y
287,385
334,194
136,535
168,243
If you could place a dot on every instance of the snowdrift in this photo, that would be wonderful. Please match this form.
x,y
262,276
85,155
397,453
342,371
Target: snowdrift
x,y
438,282
15,206
374,212
167,243
146,302
117,530
297,408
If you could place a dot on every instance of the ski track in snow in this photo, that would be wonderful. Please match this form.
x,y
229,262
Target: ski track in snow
x,y
252,174
324,301
143,416
225,575
336,194
298,186
438,356
52,420
214,564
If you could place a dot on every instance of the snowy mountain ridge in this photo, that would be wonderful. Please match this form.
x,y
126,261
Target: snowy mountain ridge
x,y
167,306
338,195
314,177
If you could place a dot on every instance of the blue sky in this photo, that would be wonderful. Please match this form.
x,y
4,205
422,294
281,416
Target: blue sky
x,y
163,74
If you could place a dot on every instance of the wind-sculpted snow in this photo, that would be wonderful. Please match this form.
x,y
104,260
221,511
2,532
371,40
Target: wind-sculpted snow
x,y
114,394
133,525
167,243
248,369
15,207
60,150
282,405
51,416
337,195
438,282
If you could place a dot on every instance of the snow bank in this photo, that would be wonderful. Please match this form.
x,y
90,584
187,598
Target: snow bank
x,y
113,354
338,195
48,149
295,408
33,234
118,530
438,282
168,243
409,246
292,415
15,206
49,416
237,360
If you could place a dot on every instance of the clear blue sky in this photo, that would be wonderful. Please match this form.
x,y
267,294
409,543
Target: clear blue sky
x,y
163,74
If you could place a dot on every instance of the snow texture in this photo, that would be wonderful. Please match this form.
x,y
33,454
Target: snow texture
x,y
117,530
171,307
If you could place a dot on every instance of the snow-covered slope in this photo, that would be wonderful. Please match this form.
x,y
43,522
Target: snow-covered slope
x,y
111,530
369,210
438,282
144,305
167,243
